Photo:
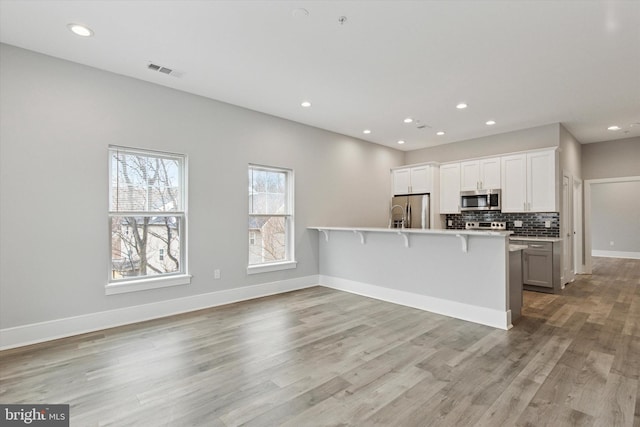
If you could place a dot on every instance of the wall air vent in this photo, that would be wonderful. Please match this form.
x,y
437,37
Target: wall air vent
x,y
164,70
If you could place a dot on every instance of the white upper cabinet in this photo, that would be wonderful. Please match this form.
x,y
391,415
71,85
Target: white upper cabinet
x,y
529,182
414,180
514,183
421,179
450,188
541,181
401,181
480,174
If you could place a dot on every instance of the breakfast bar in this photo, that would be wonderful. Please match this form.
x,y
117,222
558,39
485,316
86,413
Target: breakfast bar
x,y
458,273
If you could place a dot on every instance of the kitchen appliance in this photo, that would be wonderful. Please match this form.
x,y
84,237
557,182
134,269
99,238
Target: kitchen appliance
x,y
481,200
479,225
410,211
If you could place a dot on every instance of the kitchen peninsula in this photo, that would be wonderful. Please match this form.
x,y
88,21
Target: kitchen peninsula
x,y
457,273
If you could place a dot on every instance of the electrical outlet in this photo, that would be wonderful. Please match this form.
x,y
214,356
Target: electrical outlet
x,y
450,223
611,243
216,273
517,223
547,224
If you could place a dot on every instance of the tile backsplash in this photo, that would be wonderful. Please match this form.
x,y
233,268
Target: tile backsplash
x,y
533,224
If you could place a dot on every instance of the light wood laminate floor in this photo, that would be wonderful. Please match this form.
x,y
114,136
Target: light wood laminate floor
x,y
320,357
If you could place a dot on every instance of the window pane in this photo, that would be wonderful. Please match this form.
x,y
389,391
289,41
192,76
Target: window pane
x,y
145,246
267,192
145,183
267,239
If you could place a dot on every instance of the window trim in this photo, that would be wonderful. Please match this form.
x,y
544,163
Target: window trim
x,y
271,266
139,283
290,261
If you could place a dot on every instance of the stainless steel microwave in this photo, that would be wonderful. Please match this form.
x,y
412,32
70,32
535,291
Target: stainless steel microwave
x,y
481,200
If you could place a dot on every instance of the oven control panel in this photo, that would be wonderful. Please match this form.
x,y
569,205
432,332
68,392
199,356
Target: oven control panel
x,y
478,225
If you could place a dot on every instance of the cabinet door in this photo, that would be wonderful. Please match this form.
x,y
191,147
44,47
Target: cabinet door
x,y
401,181
421,179
490,174
450,188
514,183
541,181
537,268
470,175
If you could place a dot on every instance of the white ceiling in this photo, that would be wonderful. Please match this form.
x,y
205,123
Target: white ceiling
x,y
520,63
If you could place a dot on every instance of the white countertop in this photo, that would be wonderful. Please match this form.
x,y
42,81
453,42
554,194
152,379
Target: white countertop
x,y
535,239
417,231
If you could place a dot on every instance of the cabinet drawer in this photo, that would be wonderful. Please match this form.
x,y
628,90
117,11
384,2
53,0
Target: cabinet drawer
x,y
540,246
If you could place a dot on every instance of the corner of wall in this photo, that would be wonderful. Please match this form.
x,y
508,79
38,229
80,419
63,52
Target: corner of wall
x,y
570,152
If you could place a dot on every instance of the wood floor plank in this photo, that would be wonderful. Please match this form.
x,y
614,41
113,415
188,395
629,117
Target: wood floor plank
x,y
319,357
590,383
516,397
293,407
616,405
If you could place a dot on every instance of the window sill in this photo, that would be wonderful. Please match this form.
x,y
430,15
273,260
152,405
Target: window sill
x,y
276,266
136,285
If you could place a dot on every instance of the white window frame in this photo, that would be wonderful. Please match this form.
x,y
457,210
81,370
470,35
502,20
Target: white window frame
x,y
139,283
290,260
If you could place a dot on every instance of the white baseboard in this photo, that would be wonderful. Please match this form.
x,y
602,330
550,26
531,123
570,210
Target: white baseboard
x,y
485,316
60,328
615,254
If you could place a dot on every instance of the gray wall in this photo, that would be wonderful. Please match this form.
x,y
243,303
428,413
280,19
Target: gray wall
x,y
611,159
58,119
615,206
570,153
615,216
494,145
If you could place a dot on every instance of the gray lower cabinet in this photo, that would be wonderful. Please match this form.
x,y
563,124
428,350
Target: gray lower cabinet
x,y
541,266
515,284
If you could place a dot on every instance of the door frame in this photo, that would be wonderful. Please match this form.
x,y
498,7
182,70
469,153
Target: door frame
x,y
578,227
567,229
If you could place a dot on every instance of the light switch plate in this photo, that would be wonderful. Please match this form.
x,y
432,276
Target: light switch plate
x,y
517,223
547,224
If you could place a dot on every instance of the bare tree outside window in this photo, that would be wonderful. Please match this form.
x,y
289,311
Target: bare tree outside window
x,y
270,215
146,213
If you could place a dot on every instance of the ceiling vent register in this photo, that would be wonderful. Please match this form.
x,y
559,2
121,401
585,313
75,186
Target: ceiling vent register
x,y
164,70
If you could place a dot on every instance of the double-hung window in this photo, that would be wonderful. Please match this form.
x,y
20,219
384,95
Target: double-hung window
x,y
147,220
270,233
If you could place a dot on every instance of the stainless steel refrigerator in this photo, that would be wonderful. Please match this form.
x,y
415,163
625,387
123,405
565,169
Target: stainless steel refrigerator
x,y
411,211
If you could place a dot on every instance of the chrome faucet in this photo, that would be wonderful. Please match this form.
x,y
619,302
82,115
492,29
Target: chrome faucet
x,y
391,216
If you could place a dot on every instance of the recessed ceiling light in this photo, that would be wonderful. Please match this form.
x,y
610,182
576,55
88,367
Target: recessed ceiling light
x,y
490,122
408,120
440,133
80,30
401,142
461,106
613,128
306,104
366,131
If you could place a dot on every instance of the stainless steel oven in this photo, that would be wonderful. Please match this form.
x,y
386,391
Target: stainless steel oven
x,y
481,200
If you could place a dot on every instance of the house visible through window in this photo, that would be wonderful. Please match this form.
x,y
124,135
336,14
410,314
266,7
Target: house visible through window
x,y
147,214
270,219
